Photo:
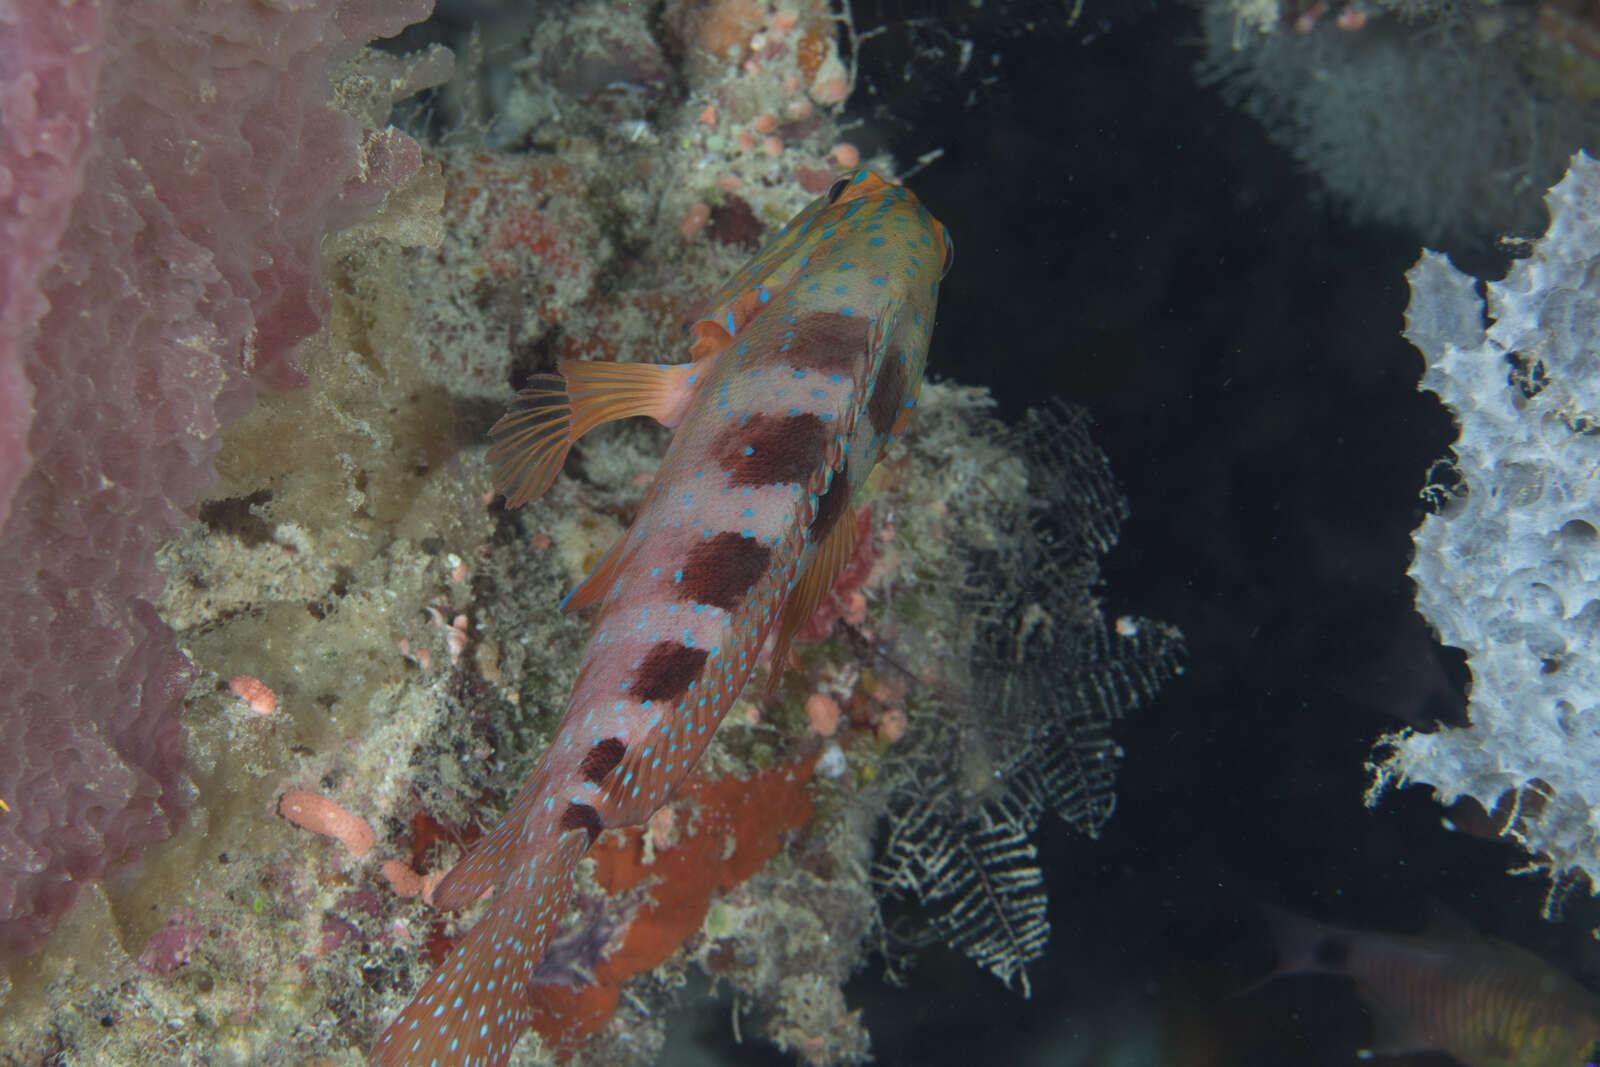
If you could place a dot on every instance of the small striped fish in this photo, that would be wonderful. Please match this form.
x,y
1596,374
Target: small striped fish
x,y
1484,1002
805,367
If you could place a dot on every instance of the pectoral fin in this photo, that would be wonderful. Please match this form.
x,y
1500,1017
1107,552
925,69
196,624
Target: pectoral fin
x,y
593,588
531,441
829,559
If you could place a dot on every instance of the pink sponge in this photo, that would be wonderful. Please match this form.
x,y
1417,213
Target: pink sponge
x,y
45,92
167,169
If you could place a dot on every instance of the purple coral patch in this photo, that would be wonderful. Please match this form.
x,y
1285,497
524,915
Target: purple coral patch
x,y
167,172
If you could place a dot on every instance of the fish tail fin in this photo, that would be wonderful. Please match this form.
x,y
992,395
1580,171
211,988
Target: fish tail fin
x,y
1304,946
531,440
477,1004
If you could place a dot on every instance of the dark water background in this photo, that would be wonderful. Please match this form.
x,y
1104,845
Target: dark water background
x,y
1126,241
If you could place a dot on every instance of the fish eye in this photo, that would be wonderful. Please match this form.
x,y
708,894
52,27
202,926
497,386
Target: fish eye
x,y
836,190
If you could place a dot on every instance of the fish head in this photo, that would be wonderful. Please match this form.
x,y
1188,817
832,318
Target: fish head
x,y
827,228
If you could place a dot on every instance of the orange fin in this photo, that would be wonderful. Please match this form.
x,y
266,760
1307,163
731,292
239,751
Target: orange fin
x,y
532,439
717,331
474,1007
706,338
604,392
594,588
901,421
830,557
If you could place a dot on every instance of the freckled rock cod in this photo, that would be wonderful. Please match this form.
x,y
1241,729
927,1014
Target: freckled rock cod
x,y
806,365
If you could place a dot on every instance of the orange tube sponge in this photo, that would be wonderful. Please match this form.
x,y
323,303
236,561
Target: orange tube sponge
x,y
315,812
254,692
823,711
402,879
